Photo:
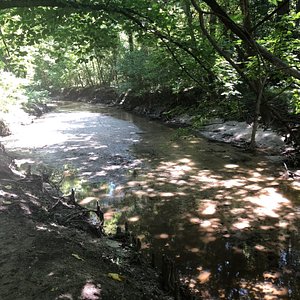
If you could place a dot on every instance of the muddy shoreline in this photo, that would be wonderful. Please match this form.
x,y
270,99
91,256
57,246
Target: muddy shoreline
x,y
51,252
172,109
52,238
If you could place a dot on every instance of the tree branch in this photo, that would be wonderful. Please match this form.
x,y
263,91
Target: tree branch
x,y
245,36
4,4
267,17
215,45
181,66
216,8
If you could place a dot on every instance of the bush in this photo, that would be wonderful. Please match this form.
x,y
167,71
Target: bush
x,y
17,92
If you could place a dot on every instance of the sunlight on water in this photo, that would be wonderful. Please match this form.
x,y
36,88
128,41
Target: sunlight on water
x,y
225,216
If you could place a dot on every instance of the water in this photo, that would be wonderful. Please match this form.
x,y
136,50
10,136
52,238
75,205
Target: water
x,y
224,215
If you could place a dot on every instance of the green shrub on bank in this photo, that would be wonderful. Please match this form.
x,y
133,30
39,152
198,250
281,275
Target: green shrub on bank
x,y
11,91
19,93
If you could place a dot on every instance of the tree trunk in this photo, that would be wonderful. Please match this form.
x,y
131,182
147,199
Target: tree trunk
x,y
99,70
260,88
218,49
245,37
246,15
96,79
5,59
130,41
88,75
80,80
212,24
189,18
283,8
297,11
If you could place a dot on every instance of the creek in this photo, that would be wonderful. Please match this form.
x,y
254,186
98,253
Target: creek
x,y
223,214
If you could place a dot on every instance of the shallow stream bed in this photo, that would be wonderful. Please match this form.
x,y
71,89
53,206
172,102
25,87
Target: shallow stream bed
x,y
224,215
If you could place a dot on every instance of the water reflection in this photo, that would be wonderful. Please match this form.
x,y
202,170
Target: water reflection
x,y
231,229
225,216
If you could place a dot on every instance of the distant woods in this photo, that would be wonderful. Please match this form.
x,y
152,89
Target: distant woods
x,y
243,55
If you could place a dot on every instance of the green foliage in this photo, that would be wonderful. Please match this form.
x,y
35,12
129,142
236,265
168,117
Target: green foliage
x,y
176,111
11,91
111,224
199,121
17,93
147,69
35,101
60,48
64,178
295,98
147,46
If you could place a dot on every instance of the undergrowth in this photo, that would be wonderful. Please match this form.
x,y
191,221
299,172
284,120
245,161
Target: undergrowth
x,y
19,93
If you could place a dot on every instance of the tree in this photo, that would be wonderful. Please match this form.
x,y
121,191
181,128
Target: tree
x,y
197,43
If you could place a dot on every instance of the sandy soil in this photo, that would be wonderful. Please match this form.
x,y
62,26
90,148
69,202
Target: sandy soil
x,y
240,132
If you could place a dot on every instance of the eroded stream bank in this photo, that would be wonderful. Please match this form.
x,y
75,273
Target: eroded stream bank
x,y
224,215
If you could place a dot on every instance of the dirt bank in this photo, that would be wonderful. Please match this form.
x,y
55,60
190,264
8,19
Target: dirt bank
x,y
44,233
50,250
45,256
154,105
178,110
101,94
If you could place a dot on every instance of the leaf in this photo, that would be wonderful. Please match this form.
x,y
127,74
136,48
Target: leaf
x,y
274,2
116,277
77,256
6,202
8,187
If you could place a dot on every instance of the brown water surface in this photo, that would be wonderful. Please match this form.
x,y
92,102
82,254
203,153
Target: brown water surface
x,y
224,215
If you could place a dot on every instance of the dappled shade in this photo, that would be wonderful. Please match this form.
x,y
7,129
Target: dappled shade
x,y
225,216
232,221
